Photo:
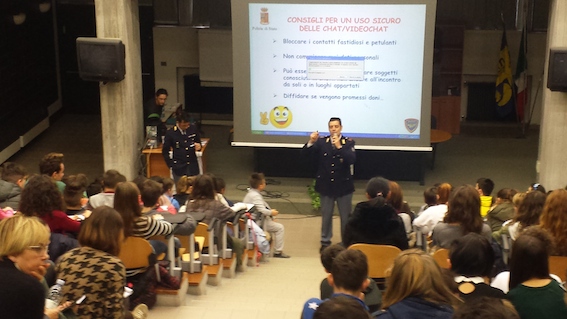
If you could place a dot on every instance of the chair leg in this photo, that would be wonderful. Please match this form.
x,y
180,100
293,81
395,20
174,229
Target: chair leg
x,y
158,276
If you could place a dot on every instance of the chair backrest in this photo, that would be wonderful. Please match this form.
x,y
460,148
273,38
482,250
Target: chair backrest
x,y
201,231
558,266
380,258
134,252
441,257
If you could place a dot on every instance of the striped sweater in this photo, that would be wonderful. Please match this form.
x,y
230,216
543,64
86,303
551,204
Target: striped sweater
x,y
146,227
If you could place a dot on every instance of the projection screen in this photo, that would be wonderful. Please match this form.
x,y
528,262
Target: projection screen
x,y
296,64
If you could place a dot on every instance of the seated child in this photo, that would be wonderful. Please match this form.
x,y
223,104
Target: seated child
x,y
254,196
341,307
110,179
348,277
372,295
184,188
168,192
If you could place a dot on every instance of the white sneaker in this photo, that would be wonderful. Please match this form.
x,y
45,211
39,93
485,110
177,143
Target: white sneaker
x,y
140,312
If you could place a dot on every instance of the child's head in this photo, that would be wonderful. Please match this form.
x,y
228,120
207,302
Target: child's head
x,y
506,195
214,180
430,196
185,184
167,186
349,272
377,187
341,307
328,255
472,256
484,186
396,195
537,187
151,192
530,259
95,187
530,208
486,308
257,180
220,184
73,193
111,178
415,273
14,173
203,188
444,192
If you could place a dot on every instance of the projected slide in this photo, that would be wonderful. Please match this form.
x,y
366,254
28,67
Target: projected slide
x,y
367,63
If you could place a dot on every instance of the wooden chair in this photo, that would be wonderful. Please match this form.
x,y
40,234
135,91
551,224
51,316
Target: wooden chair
x,y
558,266
380,260
135,254
205,234
441,257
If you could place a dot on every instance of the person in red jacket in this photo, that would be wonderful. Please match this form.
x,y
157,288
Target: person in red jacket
x,y
41,198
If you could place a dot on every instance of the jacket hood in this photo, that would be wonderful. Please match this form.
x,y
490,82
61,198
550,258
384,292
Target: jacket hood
x,y
8,190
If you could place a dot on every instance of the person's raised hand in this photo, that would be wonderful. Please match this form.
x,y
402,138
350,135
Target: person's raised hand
x,y
313,137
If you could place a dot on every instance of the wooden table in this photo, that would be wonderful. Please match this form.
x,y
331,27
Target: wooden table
x,y
156,166
436,137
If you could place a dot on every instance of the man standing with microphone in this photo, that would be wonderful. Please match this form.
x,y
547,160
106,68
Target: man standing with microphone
x,y
335,155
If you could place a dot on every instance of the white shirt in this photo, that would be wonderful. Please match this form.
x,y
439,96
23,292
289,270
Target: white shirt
x,y
429,218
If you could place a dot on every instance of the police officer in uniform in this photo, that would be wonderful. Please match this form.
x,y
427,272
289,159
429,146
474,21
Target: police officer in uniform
x,y
183,139
336,156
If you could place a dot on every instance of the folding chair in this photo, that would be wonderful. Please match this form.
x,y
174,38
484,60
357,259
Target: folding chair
x,y
137,253
558,266
441,257
380,260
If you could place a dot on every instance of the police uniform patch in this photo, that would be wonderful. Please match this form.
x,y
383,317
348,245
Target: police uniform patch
x,y
411,124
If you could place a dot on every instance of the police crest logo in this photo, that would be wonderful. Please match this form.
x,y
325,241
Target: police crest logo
x,y
411,124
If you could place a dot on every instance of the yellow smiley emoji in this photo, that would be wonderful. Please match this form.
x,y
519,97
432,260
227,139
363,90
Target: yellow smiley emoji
x,y
280,116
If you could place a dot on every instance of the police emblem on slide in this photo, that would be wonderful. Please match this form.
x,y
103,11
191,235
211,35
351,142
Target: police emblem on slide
x,y
411,124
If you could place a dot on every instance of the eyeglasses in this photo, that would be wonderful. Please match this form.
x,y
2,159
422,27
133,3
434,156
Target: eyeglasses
x,y
40,249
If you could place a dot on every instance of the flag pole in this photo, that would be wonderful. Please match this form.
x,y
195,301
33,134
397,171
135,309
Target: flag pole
x,y
521,77
539,85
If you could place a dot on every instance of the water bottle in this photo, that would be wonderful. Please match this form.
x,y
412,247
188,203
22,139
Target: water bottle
x,y
54,296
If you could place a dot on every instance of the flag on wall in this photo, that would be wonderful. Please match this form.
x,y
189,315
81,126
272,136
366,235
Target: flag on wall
x,y
521,79
504,81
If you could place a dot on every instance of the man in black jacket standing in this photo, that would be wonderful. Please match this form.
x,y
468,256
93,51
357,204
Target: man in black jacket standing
x,y
183,140
336,156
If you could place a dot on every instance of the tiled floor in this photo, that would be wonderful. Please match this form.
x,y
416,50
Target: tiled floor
x,y
276,289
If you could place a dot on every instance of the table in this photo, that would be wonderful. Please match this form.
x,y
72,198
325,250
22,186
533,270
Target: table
x,y
156,166
436,137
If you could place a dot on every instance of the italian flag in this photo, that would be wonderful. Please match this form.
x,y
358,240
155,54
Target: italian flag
x,y
521,79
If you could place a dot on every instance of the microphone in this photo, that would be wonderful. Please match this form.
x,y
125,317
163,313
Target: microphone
x,y
333,137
